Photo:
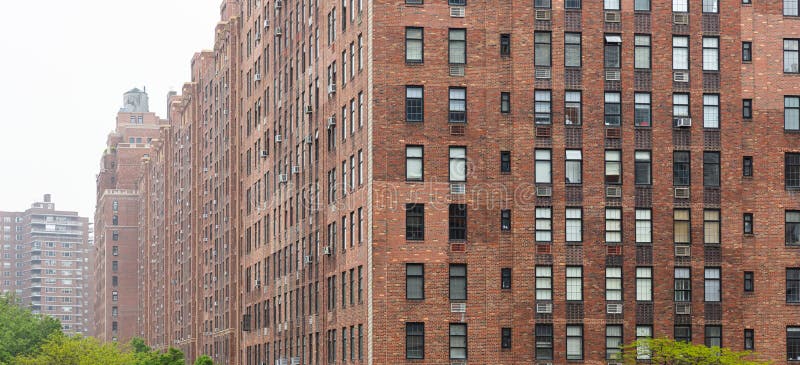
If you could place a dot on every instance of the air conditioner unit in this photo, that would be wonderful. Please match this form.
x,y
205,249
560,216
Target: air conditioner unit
x,y
458,188
541,73
680,18
295,169
257,283
307,259
682,122
544,307
264,154
283,178
680,76
205,239
326,250
278,31
544,191
265,333
612,17
542,15
613,191
331,122
257,77
683,308
331,88
615,308
457,12
307,139
612,75
683,250
456,70
278,4
682,192
278,138
458,307
309,109
266,23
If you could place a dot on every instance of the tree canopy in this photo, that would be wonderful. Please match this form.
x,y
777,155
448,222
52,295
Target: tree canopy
x,y
664,351
22,332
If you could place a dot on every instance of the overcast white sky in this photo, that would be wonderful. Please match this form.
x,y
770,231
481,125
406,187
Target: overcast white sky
x,y
63,68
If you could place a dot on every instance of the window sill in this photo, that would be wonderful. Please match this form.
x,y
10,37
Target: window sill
x,y
414,63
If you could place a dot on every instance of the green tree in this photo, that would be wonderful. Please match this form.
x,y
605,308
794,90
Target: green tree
x,y
664,351
204,360
60,349
22,332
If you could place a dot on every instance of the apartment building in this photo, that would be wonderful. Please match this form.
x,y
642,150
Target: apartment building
x,y
415,182
45,263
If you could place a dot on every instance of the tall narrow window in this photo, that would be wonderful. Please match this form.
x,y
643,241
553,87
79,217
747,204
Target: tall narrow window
x,y
713,287
574,225
793,343
613,167
505,161
574,283
641,50
749,281
505,338
641,110
711,227
574,342
614,283
414,45
415,281
415,222
680,52
572,108
505,102
747,108
792,227
457,46
572,49
613,341
458,341
414,104
612,51
574,166
505,44
644,226
542,110
458,222
613,108
505,278
747,51
414,163
644,284
542,166
458,164
747,223
790,55
458,282
683,285
711,111
747,166
681,226
749,339
544,283
792,178
613,226
713,336
791,113
541,49
544,341
505,220
415,340
711,169
458,105
544,224
681,168
680,106
643,332
790,7
642,168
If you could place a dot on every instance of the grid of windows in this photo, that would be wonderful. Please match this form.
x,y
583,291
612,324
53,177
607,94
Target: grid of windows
x,y
792,161
542,110
414,104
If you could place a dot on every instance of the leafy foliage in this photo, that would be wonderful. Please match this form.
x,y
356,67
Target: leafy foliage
x,y
22,332
204,360
664,351
60,349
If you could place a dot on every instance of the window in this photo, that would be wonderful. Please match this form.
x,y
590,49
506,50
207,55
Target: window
x,y
747,108
505,278
680,6
680,105
642,168
641,5
790,7
114,266
505,161
414,163
711,227
572,108
415,281
749,339
613,167
574,225
114,251
614,283
749,281
458,282
505,220
574,342
683,333
613,226
681,226
713,336
544,341
792,170
643,350
710,6
793,227
747,51
457,46
505,338
611,5
790,55
541,49
415,222
505,44
458,105
574,166
541,3
612,51
572,4
458,341
644,226
458,222
681,168
711,111
683,285
415,340
544,224
505,102
414,104
542,107
791,113
747,219
457,2
572,49
613,342
613,108
458,164
680,52
644,284
543,167
544,283
713,288
641,110
414,45
115,235
574,283
641,50
793,343
711,169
